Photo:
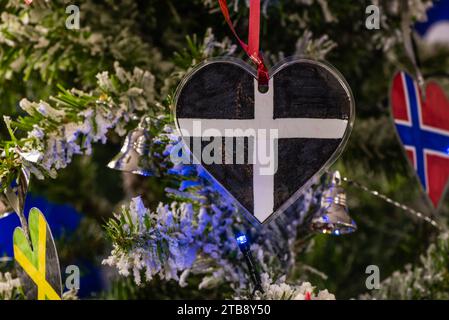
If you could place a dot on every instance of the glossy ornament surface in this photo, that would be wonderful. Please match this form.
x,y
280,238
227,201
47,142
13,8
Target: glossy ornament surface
x,y
264,148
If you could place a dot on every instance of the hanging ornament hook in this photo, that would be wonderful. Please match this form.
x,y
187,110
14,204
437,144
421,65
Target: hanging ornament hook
x,y
16,195
410,45
395,203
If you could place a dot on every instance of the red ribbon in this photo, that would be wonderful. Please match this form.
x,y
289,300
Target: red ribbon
x,y
252,48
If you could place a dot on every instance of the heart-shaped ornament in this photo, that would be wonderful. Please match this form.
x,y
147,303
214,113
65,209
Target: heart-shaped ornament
x,y
40,274
422,125
264,148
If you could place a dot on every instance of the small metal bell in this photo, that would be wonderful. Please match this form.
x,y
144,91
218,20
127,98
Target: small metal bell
x,y
333,217
134,156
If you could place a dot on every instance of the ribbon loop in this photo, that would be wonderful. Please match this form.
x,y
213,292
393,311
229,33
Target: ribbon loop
x,y
252,48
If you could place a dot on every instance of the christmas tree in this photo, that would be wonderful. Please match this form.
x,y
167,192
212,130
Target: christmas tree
x,y
82,82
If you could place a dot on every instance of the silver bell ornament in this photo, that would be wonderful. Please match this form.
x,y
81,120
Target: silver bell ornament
x,y
333,217
135,155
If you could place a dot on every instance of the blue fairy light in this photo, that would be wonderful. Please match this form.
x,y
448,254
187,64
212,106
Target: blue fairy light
x,y
243,243
242,239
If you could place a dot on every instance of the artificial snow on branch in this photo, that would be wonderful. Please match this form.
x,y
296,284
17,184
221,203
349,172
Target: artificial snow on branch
x,y
428,279
280,290
35,38
9,286
195,234
70,122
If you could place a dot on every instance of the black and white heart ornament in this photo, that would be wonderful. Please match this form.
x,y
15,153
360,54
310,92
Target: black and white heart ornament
x,y
264,148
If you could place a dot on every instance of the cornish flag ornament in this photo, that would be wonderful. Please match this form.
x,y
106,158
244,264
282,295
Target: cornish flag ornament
x,y
423,128
264,148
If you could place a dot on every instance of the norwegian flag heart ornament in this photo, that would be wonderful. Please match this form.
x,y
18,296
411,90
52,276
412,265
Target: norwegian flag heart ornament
x,y
264,148
422,125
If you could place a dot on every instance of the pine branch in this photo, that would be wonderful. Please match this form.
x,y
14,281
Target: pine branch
x,y
428,279
53,132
